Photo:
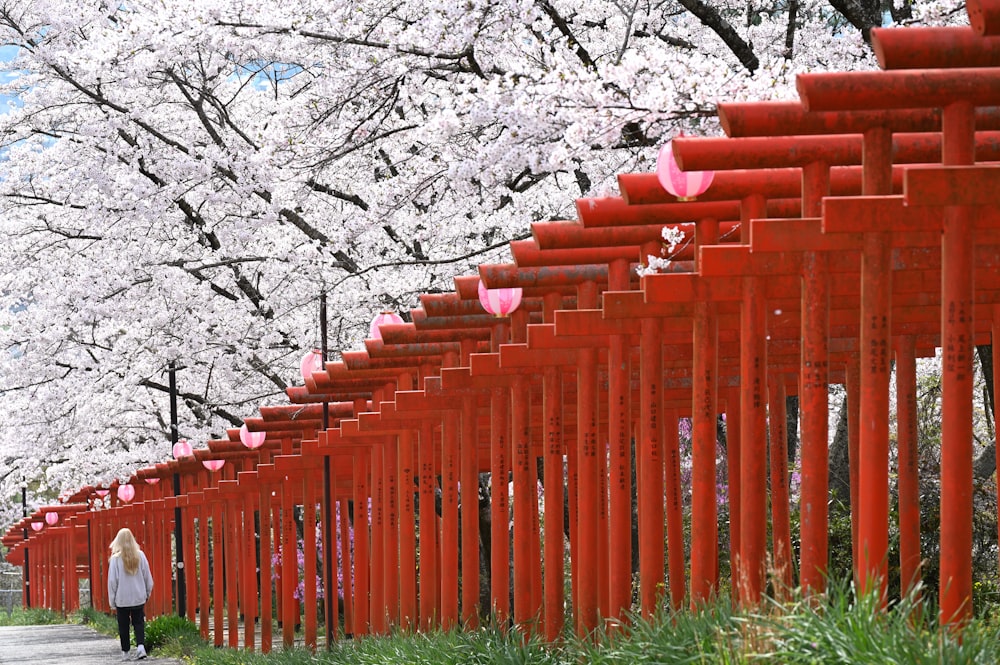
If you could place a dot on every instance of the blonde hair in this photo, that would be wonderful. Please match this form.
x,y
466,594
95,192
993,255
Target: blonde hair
x,y
124,546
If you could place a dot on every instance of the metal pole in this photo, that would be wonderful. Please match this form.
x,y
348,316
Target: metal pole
x,y
329,590
27,563
178,525
90,562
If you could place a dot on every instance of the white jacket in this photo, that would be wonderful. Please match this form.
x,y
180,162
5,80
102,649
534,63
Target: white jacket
x,y
126,590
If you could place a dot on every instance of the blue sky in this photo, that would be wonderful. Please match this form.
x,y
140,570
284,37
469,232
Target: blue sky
x,y
7,54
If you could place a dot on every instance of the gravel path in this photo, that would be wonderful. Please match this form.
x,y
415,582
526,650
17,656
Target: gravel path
x,y
62,645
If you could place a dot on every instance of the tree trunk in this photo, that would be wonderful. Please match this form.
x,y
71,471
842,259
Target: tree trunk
x,y
485,545
635,515
862,14
711,18
986,463
793,10
840,464
792,425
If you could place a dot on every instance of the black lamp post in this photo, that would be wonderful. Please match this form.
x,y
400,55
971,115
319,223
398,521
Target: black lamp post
x,y
178,525
328,538
27,566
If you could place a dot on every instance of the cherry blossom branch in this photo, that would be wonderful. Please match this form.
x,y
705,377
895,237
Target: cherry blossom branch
x,y
349,41
193,398
337,194
563,27
432,262
712,19
345,262
33,385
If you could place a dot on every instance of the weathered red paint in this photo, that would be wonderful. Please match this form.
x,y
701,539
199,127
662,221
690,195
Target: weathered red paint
x,y
900,89
908,479
984,16
938,47
957,335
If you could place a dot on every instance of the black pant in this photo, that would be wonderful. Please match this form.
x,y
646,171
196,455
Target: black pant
x,y
136,616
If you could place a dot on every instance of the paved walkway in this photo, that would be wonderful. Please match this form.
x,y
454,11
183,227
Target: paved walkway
x,y
62,645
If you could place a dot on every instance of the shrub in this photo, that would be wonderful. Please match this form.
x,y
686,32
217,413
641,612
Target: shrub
x,y
171,629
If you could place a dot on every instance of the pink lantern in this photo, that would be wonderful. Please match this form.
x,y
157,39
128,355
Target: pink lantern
x,y
182,449
382,319
102,493
252,440
685,185
213,465
311,362
37,526
499,302
126,492
51,518
152,481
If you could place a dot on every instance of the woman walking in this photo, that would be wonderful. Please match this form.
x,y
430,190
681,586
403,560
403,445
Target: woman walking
x,y
129,586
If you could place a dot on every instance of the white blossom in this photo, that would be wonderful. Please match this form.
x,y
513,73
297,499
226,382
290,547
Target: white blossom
x,y
181,180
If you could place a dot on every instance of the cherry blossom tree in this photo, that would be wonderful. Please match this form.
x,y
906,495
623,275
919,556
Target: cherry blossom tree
x,y
181,180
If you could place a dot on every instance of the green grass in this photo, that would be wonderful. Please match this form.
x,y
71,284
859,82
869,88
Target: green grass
x,y
170,635
31,617
439,648
106,624
167,635
847,631
839,629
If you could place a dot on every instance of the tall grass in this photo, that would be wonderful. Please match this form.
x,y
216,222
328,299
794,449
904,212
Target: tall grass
x,y
105,624
31,617
839,628
852,629
477,647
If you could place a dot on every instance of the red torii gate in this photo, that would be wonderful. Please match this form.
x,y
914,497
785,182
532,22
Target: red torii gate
x,y
804,270
956,92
